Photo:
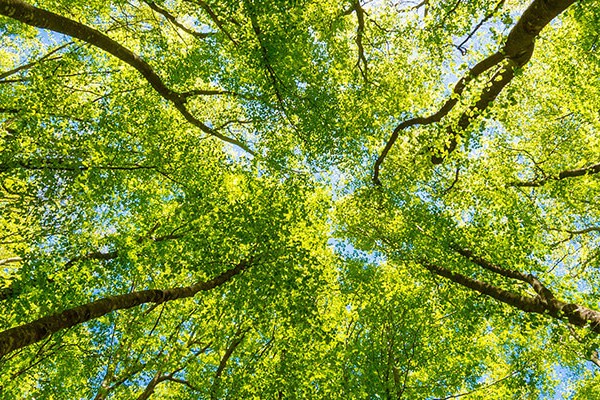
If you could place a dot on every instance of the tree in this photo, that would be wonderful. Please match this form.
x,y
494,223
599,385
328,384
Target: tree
x,y
299,199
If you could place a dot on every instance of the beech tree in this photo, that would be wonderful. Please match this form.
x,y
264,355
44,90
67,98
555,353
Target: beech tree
x,y
299,199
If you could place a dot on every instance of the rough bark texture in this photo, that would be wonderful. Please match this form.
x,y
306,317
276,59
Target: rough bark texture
x,y
517,50
33,16
24,335
543,303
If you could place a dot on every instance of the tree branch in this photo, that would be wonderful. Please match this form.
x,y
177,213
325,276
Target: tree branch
x,y
149,389
170,378
571,173
583,231
454,181
10,260
239,336
33,16
507,273
169,17
360,31
460,47
524,303
517,49
98,255
460,86
31,64
573,233
275,81
94,255
24,335
214,17
543,303
497,82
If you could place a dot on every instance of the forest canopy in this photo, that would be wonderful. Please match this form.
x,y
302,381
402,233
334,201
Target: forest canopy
x,y
277,199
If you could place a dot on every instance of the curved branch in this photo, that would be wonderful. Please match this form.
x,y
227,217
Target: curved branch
x,y
498,81
10,260
570,173
460,47
360,31
543,303
573,233
170,378
575,314
449,188
37,17
524,303
111,255
24,335
214,17
518,49
459,88
275,80
592,169
585,230
169,17
46,57
507,273
238,338
545,295
94,255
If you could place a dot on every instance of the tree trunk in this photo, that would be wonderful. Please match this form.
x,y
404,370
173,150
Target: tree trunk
x,y
24,335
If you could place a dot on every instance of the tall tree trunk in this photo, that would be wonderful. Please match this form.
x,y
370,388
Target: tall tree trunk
x,y
24,335
543,303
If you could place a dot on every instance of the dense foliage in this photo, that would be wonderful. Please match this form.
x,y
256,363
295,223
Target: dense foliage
x,y
259,199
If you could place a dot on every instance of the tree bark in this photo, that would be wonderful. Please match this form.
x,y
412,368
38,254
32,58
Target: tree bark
x,y
40,18
543,303
24,335
517,50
